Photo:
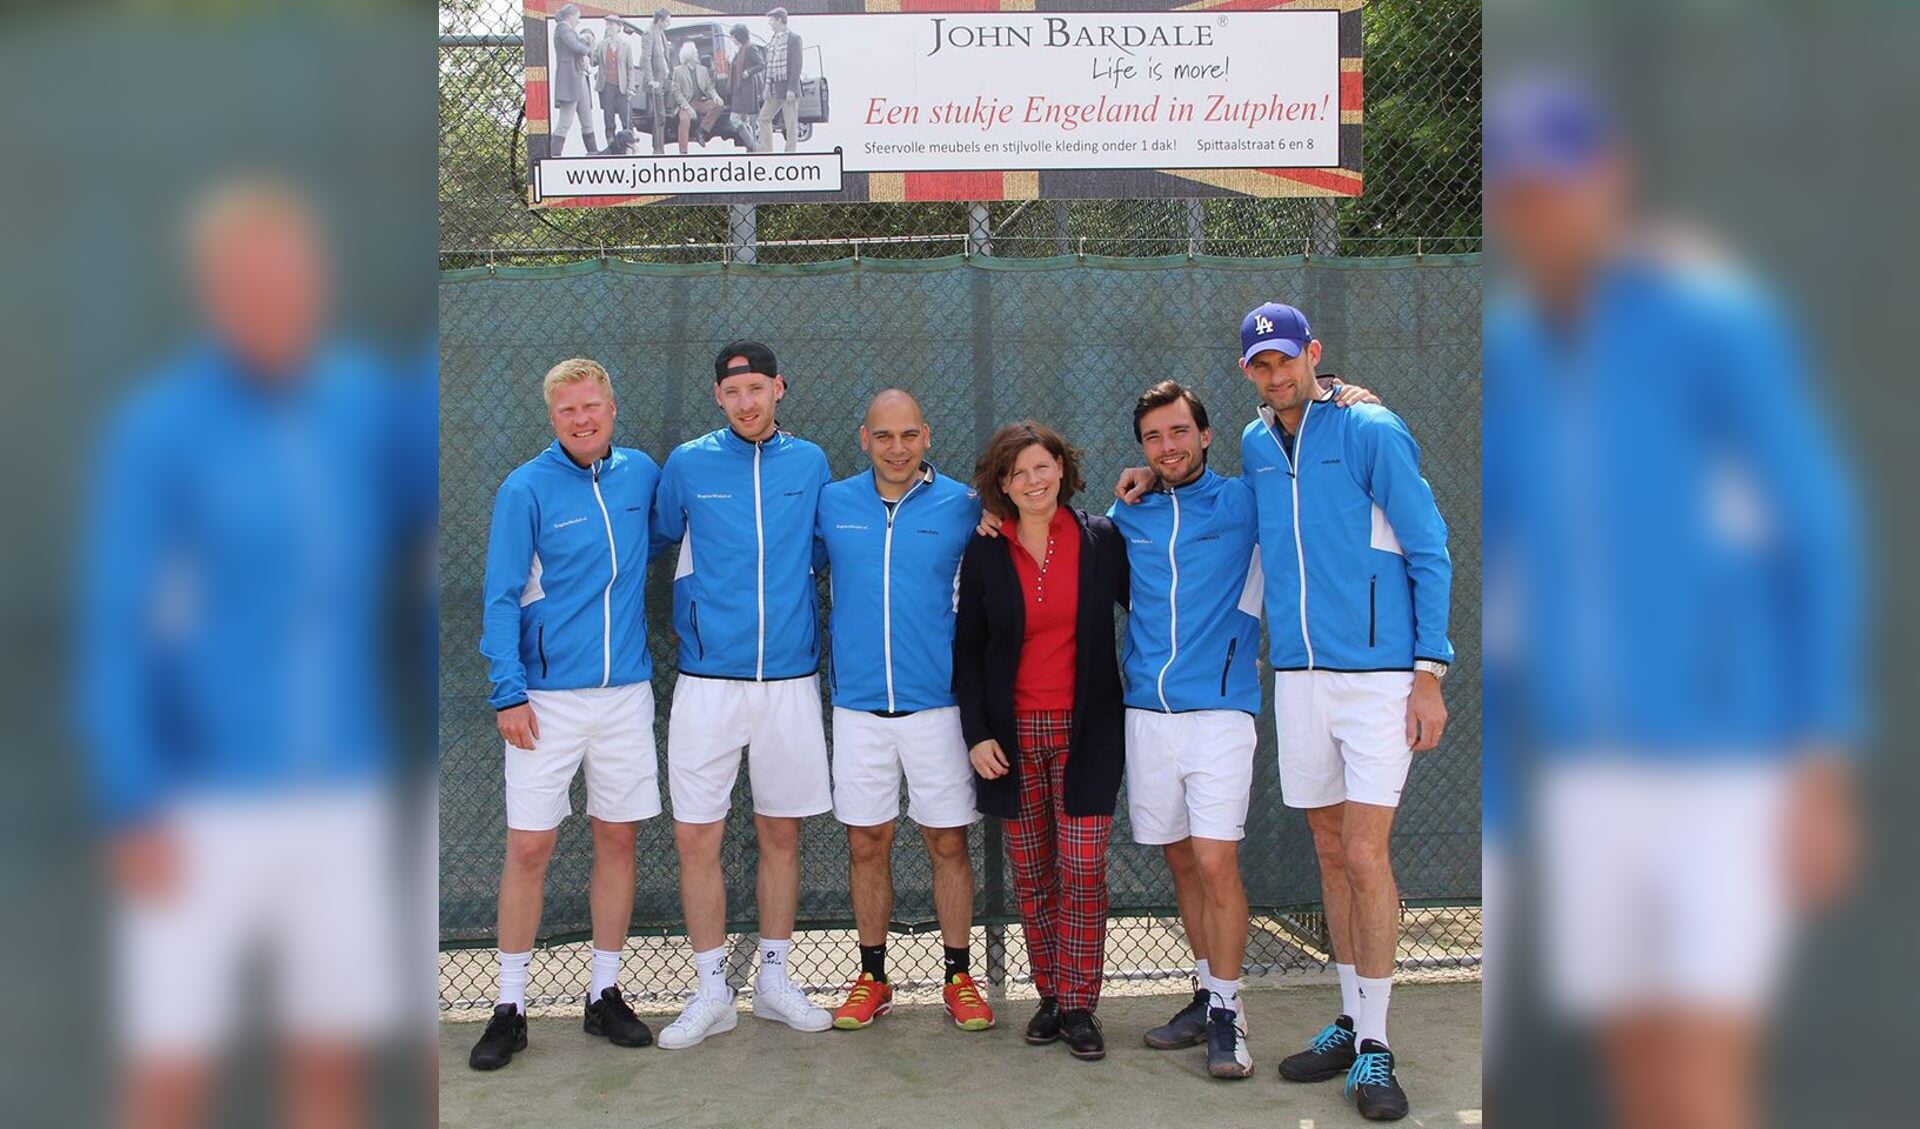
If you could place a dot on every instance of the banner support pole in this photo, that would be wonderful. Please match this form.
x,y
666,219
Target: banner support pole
x,y
743,231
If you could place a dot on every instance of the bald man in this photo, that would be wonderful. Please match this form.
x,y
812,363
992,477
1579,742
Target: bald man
x,y
893,537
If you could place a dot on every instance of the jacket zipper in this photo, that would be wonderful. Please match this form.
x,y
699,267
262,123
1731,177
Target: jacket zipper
x,y
541,644
1373,583
606,596
760,574
699,648
1173,606
886,589
1225,669
1299,547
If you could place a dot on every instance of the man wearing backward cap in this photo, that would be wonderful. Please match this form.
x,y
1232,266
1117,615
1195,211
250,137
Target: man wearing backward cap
x,y
740,501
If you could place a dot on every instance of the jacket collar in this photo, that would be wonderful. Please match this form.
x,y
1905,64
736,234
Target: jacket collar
x,y
558,454
732,440
1200,485
924,478
1272,418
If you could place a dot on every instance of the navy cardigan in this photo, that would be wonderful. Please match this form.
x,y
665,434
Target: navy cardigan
x,y
987,637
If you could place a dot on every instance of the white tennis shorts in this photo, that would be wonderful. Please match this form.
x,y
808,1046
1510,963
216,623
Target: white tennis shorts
x,y
1189,774
304,881
1342,736
779,723
609,731
870,753
1663,884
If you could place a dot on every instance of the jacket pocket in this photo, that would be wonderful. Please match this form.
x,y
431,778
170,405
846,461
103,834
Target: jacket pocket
x,y
540,644
1373,585
1227,667
693,613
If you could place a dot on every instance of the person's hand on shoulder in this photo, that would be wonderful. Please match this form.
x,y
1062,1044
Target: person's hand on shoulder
x,y
1134,483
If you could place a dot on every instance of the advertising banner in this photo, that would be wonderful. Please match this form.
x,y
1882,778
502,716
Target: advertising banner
x,y
905,101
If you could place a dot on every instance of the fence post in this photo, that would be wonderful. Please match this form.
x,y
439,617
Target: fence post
x,y
994,855
1323,227
743,231
979,230
1196,226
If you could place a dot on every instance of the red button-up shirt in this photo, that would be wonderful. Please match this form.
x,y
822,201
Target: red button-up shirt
x,y
1051,586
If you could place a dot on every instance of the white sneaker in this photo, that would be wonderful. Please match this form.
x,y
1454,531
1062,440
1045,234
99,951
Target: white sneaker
x,y
790,1006
703,1016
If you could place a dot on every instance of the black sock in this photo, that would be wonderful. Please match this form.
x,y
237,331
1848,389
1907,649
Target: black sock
x,y
958,961
873,958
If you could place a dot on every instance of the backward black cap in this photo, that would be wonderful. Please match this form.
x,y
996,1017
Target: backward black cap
x,y
758,359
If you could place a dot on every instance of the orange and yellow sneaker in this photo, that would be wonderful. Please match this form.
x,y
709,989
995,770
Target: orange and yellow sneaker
x,y
969,1011
869,1000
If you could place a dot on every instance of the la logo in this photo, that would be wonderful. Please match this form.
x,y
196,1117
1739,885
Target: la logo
x,y
1262,324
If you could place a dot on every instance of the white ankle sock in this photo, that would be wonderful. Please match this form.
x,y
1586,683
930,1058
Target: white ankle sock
x,y
1371,1023
773,961
1203,972
1226,993
606,972
710,978
1349,991
513,979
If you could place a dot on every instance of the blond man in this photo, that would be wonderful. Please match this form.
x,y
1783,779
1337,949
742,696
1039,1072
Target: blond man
x,y
564,634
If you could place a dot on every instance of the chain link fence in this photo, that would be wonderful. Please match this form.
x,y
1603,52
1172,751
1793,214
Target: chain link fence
x,y
990,312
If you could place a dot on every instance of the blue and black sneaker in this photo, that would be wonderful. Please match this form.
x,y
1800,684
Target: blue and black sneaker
x,y
1227,1055
1376,1093
1328,1056
1188,1027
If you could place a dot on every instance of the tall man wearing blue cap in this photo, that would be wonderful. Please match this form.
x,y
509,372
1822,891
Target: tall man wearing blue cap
x,y
1358,582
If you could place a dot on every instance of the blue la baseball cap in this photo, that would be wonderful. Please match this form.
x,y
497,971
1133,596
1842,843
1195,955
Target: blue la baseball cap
x,y
1273,326
1545,128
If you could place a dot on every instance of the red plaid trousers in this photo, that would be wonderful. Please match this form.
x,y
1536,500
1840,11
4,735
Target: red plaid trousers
x,y
1059,865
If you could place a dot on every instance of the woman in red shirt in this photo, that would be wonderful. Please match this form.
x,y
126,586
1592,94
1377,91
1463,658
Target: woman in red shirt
x,y
1038,686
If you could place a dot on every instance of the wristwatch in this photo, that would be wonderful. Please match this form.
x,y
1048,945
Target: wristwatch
x,y
1431,666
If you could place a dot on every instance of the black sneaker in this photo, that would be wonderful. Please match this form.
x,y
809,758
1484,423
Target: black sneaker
x,y
1371,1084
1227,1055
1082,1034
1044,1027
1187,1028
610,1016
506,1033
1328,1056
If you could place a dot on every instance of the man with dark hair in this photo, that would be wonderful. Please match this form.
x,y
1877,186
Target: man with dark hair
x,y
657,67
741,501
1192,692
784,50
746,78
